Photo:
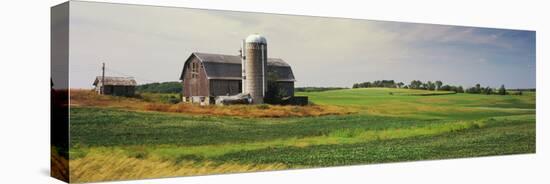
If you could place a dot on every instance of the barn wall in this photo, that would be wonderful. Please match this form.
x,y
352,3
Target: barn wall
x,y
225,87
286,88
107,90
197,86
119,90
130,90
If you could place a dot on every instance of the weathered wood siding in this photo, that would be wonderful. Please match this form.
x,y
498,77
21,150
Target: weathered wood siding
x,y
119,90
286,88
225,87
195,83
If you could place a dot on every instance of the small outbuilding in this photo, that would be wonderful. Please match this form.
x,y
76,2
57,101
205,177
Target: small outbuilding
x,y
116,86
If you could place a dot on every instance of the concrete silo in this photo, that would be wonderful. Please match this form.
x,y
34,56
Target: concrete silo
x,y
255,66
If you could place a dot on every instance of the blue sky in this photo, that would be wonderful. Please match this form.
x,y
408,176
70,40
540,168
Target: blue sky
x,y
152,43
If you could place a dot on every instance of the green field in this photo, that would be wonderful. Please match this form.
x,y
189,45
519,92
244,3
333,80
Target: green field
x,y
390,125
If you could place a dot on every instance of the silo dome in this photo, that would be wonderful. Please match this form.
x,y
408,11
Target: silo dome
x,y
256,38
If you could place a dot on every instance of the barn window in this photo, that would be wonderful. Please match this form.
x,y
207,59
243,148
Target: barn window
x,y
195,67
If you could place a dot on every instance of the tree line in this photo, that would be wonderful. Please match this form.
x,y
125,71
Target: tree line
x,y
434,86
316,89
162,87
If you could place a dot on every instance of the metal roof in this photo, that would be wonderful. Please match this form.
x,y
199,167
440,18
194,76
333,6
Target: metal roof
x,y
228,67
116,81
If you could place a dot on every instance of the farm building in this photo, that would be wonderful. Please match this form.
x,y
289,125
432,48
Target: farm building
x,y
116,86
206,78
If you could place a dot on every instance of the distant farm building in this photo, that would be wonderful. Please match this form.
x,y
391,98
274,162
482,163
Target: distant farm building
x,y
116,86
215,78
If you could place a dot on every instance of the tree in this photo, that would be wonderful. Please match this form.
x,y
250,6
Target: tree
x,y
454,88
367,85
164,87
502,90
430,85
389,83
400,84
418,84
423,86
413,84
478,88
445,88
460,89
488,90
438,84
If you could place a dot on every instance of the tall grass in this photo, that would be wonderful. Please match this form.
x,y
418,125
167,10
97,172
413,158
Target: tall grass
x,y
87,98
271,111
116,166
59,166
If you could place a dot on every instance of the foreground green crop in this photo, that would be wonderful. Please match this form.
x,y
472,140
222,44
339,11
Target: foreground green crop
x,y
391,125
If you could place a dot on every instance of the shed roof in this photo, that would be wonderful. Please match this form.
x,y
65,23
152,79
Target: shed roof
x,y
116,81
228,67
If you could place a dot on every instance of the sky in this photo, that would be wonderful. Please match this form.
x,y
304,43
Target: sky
x,y
152,43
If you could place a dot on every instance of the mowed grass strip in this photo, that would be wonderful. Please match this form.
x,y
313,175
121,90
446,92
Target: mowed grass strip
x,y
497,140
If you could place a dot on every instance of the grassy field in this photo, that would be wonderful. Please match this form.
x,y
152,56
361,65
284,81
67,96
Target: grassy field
x,y
121,139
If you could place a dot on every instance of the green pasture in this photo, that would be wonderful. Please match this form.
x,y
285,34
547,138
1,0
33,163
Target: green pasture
x,y
390,125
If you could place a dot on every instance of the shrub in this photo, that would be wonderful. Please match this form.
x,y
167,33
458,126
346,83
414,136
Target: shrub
x,y
174,100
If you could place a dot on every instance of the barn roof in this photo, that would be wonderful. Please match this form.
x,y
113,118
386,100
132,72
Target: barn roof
x,y
116,81
228,67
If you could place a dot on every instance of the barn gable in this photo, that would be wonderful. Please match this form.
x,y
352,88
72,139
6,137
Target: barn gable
x,y
228,67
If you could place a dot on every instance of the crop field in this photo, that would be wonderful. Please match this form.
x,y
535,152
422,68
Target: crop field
x,y
114,138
